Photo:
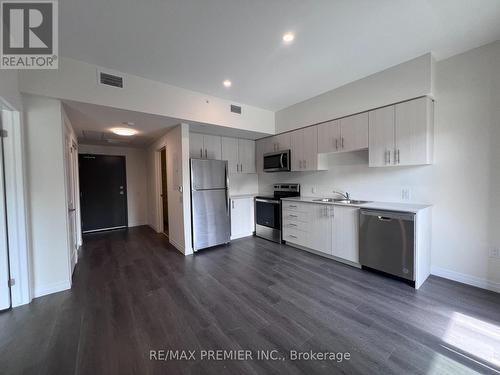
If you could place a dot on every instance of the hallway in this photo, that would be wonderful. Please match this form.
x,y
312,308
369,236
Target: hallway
x,y
133,293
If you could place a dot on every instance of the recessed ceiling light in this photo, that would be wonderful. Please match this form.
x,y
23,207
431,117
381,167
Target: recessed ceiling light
x,y
288,37
227,83
127,132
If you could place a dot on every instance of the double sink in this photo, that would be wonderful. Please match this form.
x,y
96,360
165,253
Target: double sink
x,y
342,201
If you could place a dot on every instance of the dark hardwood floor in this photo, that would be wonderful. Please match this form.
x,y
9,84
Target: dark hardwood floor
x,y
132,293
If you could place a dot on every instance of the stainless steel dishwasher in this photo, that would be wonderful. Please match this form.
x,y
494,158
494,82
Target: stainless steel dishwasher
x,y
387,242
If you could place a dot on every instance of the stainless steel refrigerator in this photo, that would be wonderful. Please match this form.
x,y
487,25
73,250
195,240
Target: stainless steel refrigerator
x,y
210,208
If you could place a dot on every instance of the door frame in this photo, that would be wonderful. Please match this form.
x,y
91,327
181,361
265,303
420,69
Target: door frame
x,y
162,213
16,207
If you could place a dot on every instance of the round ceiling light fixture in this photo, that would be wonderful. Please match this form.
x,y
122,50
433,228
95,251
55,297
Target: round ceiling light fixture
x,y
227,83
126,132
288,37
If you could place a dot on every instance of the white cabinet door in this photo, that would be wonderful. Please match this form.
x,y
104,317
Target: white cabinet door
x,y
345,233
354,132
310,148
329,137
196,149
297,147
246,156
230,153
381,137
413,132
282,141
242,217
213,148
320,228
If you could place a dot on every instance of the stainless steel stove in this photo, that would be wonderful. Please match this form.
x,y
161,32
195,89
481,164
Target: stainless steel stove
x,y
268,211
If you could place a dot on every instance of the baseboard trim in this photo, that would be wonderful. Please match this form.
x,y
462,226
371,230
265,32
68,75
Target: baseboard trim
x,y
466,279
51,288
176,245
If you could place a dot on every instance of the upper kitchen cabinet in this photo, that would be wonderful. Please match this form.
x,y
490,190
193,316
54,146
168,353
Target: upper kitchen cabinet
x,y
329,137
204,146
354,132
304,149
246,156
402,134
347,134
279,142
240,154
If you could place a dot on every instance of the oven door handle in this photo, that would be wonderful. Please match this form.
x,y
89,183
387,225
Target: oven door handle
x,y
267,201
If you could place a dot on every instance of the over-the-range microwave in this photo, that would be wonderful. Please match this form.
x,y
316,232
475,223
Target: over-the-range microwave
x,y
277,161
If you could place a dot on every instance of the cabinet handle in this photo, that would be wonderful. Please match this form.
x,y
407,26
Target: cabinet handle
x,y
206,157
292,225
305,164
241,167
292,215
395,157
201,153
336,143
342,142
290,235
300,164
292,206
232,204
399,161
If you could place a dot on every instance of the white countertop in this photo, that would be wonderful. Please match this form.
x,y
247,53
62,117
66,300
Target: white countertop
x,y
387,206
242,196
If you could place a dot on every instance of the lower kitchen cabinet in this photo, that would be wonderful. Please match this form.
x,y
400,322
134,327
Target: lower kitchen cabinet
x,y
328,229
345,231
242,217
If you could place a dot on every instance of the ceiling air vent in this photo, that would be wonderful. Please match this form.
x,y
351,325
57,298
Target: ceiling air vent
x,y
110,80
236,109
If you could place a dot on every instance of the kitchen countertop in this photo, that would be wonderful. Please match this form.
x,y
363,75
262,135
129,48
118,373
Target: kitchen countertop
x,y
387,206
242,196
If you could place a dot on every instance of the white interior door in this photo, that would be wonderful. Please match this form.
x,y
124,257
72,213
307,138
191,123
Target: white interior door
x,y
4,256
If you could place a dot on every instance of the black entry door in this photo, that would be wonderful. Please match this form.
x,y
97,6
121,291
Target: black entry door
x,y
103,192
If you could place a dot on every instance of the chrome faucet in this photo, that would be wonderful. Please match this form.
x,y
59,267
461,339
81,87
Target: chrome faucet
x,y
345,195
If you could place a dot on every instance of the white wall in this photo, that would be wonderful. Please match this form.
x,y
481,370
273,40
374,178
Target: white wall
x,y
76,80
401,82
464,182
47,203
137,191
243,184
176,142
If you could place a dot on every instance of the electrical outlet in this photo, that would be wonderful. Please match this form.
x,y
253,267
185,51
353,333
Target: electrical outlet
x,y
405,194
495,253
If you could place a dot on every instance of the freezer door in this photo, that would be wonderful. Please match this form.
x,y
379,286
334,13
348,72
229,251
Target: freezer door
x,y
208,174
211,218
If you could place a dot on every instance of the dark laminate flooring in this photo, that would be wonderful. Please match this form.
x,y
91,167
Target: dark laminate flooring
x,y
133,293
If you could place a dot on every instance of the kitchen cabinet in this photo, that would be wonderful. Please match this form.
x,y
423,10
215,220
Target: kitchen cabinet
x,y
347,134
328,229
240,154
329,137
345,243
354,132
402,134
304,149
204,146
230,153
242,217
246,156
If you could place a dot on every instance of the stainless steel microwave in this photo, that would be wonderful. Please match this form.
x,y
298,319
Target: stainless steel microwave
x,y
277,161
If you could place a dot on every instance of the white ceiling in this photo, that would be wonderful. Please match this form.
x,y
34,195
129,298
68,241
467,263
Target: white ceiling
x,y
93,124
196,44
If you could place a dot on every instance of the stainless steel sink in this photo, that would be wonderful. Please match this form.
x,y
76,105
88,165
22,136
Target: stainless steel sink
x,y
343,201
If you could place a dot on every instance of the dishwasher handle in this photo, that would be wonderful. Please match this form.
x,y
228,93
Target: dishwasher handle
x,y
388,215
